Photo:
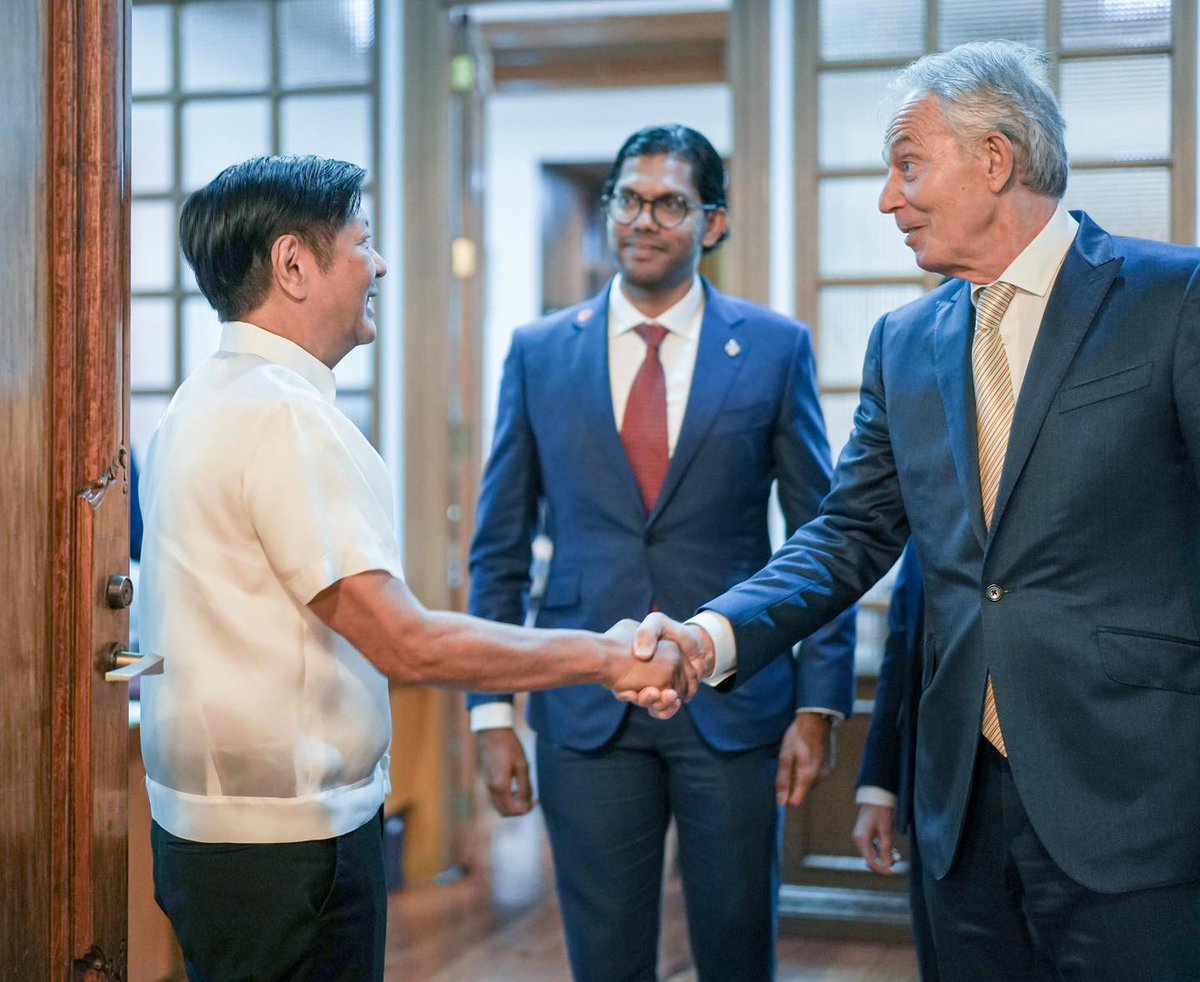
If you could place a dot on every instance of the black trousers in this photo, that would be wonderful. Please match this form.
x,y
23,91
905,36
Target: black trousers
x,y
1007,912
311,911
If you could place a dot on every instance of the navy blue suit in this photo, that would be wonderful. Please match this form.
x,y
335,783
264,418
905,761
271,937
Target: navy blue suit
x,y
752,417
1083,600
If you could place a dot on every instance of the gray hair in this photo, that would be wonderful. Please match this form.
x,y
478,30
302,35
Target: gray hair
x,y
997,85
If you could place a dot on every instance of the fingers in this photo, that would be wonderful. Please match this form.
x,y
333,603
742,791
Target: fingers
x,y
505,771
649,631
873,837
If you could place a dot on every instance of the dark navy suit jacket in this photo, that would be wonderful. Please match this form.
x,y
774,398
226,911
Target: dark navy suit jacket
x,y
1083,601
752,416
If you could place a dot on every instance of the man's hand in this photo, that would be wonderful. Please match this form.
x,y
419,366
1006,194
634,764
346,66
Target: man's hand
x,y
805,757
874,838
691,641
505,771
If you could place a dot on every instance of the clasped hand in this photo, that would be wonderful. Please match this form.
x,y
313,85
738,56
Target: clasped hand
x,y
660,637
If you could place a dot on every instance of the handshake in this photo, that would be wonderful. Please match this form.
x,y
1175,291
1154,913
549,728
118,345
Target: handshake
x,y
664,664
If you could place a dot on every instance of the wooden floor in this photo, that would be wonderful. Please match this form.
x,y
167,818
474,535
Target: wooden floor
x,y
501,924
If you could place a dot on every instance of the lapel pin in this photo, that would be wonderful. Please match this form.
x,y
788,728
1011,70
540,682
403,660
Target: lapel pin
x,y
585,315
732,348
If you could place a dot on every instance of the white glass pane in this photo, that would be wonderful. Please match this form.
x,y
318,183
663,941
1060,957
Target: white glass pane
x,y
1115,23
1117,108
152,343
853,118
337,126
153,147
151,51
325,42
872,28
847,315
152,245
220,132
1132,201
360,410
225,46
839,419
971,20
201,332
144,414
856,238
357,369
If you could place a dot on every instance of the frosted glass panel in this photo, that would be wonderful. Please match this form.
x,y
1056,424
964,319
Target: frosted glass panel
x,y
1132,201
152,245
144,414
1115,23
1117,108
225,46
201,332
856,239
325,42
853,118
337,126
872,28
152,343
839,419
360,411
220,132
153,147
357,369
971,20
152,54
847,315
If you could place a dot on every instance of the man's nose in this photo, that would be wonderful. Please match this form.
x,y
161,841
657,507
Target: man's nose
x,y
889,198
645,216
380,266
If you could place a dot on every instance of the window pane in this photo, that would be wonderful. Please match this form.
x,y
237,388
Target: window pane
x,y
856,240
847,315
839,419
853,118
359,409
1132,201
225,46
152,245
326,42
872,28
144,414
357,369
1117,108
152,343
201,332
153,147
337,126
1116,23
153,54
970,20
220,132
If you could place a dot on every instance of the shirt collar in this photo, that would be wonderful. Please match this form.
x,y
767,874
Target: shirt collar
x,y
239,337
683,318
1036,267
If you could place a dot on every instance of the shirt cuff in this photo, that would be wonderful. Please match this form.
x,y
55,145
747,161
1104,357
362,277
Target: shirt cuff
x,y
821,711
492,716
721,632
869,795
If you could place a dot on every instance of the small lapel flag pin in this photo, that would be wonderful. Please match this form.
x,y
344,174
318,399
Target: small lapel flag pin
x,y
585,315
732,348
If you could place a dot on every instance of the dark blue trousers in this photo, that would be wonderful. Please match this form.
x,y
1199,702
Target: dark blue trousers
x,y
1007,912
607,813
292,912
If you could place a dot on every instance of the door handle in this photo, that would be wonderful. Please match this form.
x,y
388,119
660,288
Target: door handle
x,y
124,666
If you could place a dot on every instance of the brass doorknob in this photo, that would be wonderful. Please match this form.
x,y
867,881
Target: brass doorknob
x,y
119,592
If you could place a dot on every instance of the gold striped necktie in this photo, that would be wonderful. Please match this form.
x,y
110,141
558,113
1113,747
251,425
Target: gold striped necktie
x,y
994,405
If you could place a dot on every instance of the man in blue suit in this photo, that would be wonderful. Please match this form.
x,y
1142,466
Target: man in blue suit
x,y
1035,425
646,427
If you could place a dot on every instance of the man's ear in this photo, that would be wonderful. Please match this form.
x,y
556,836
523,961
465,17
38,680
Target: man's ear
x,y
998,156
718,223
289,265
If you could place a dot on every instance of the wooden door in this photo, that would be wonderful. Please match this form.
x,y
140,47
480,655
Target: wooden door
x,y
64,531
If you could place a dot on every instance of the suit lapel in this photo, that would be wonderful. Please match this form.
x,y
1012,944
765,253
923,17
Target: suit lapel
x,y
712,379
1083,283
952,354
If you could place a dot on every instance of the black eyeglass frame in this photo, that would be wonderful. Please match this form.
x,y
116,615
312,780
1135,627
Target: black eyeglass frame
x,y
606,201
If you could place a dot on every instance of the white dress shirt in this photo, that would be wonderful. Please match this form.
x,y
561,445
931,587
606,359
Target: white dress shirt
x,y
265,726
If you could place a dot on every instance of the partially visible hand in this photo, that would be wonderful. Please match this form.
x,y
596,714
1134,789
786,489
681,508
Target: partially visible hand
x,y
661,684
874,839
694,642
805,757
505,771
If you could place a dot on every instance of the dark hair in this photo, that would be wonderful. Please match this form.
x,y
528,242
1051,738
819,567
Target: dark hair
x,y
227,227
708,169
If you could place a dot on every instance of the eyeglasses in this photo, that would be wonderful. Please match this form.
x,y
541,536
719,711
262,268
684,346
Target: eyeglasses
x,y
669,211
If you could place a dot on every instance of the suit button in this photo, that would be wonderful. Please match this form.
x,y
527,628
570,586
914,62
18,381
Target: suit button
x,y
994,592
649,538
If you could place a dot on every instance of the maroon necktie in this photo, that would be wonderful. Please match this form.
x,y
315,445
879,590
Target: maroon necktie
x,y
644,428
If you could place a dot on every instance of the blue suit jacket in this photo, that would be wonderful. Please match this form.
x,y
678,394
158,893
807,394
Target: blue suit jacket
x,y
751,416
1083,601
